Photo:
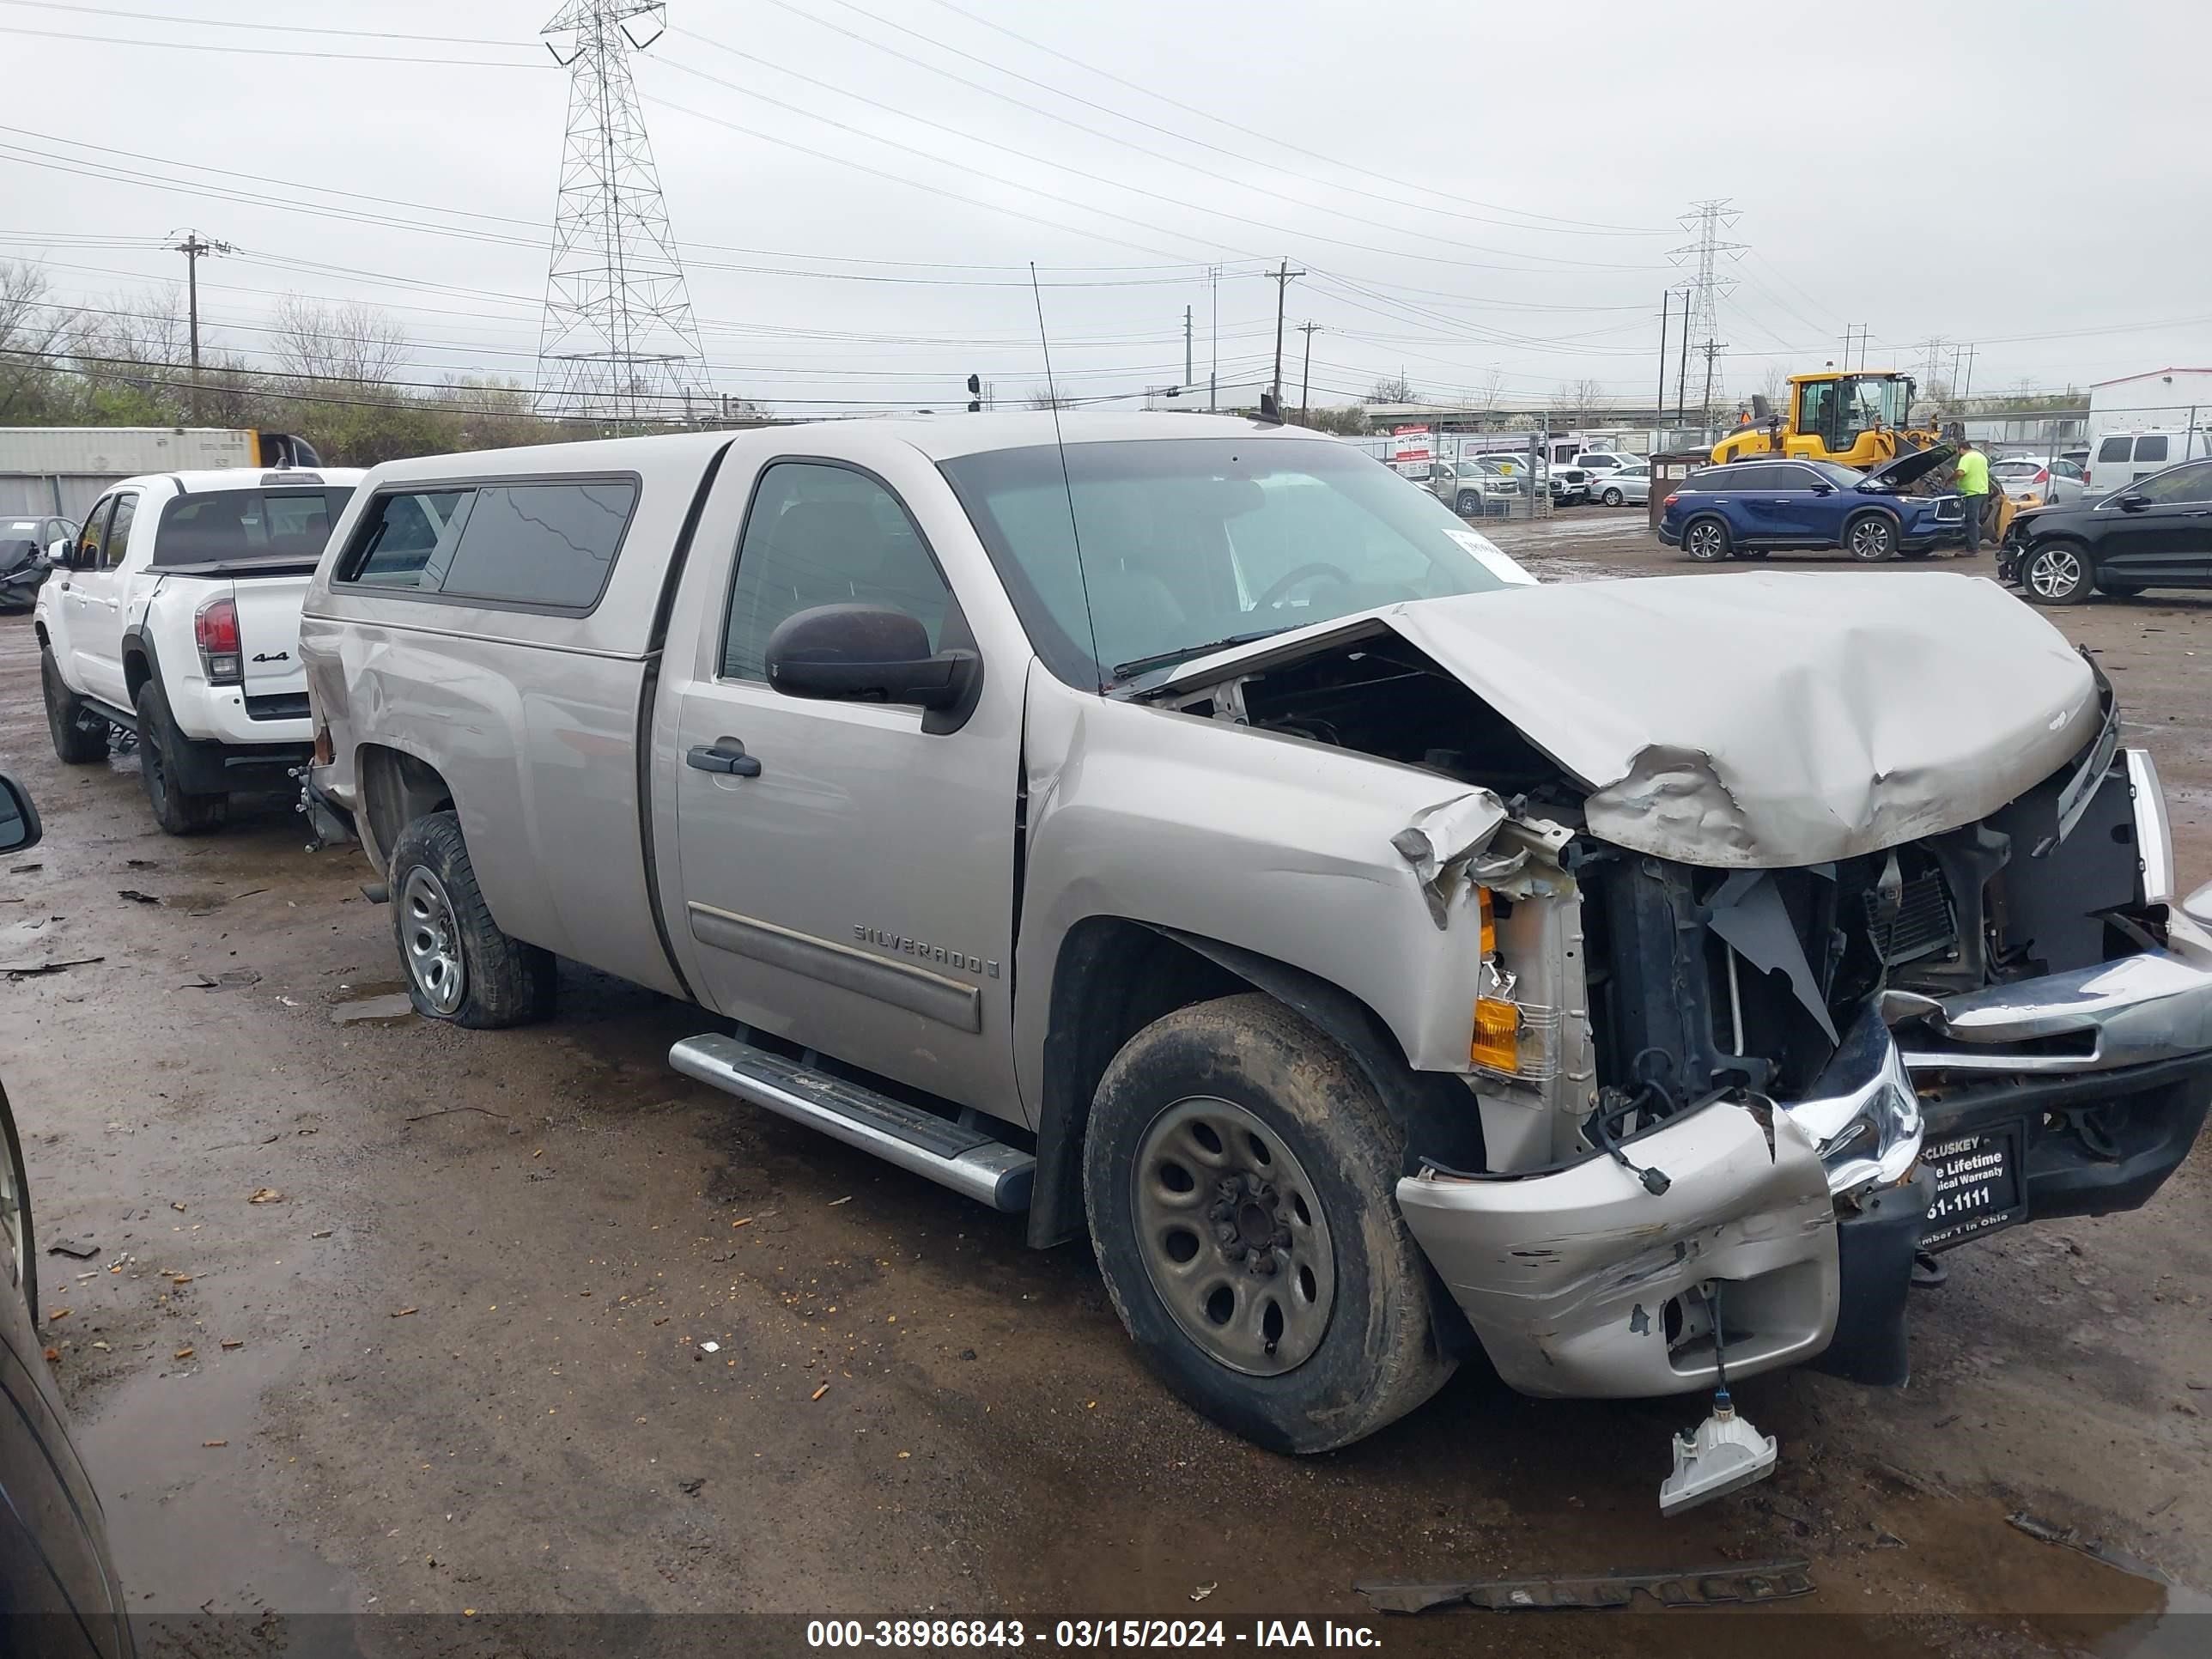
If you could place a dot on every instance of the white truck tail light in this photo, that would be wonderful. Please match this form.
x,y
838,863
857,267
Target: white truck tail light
x,y
215,626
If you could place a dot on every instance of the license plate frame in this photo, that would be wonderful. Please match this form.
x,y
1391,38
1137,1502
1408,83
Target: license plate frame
x,y
1981,1184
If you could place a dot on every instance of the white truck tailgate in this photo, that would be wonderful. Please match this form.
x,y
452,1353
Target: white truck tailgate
x,y
269,633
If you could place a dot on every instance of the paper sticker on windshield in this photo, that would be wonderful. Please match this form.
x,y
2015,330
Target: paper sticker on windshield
x,y
1492,557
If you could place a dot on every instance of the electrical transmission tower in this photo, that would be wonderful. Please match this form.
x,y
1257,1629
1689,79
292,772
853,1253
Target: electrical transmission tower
x,y
619,343
1706,221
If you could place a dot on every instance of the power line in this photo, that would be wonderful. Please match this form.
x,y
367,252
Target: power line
x,y
273,51
274,29
1192,109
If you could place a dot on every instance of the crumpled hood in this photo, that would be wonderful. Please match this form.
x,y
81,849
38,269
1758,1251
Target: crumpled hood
x,y
1757,721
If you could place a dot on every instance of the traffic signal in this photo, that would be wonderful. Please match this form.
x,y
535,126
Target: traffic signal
x,y
975,394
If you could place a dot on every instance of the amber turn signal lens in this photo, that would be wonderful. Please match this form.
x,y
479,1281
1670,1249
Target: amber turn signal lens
x,y
1489,921
1496,1035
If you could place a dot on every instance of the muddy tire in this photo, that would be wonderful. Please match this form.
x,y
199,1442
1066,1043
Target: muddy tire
x,y
16,1213
1706,540
459,966
1239,1175
177,810
80,733
2057,573
1871,538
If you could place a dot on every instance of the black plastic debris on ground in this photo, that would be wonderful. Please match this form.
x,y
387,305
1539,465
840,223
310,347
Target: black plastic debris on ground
x,y
1762,1581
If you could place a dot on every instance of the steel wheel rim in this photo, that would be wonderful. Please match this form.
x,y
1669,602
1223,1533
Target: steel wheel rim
x,y
432,940
1870,539
1233,1237
1705,542
11,1221
2054,572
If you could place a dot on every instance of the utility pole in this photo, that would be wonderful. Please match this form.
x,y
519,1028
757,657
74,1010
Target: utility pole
x,y
1682,375
1305,386
1214,303
1282,289
1666,308
195,248
1968,376
1712,348
1186,346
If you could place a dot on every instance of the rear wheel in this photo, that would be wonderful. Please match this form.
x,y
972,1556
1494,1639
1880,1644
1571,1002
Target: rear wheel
x,y
79,734
1871,537
459,966
1706,540
2058,573
1612,498
176,809
1238,1177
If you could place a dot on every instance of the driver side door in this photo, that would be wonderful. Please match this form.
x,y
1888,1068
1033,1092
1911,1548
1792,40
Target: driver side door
x,y
847,873
2167,541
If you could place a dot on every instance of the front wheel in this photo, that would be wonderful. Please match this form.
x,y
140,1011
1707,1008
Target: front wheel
x,y
1706,541
2055,573
1470,504
179,811
461,967
79,734
1870,539
1239,1176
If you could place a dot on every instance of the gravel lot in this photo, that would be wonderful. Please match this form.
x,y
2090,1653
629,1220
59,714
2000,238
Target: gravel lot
x,y
472,1372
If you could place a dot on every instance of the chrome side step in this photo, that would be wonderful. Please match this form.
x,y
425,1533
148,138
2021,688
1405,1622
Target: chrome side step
x,y
967,1160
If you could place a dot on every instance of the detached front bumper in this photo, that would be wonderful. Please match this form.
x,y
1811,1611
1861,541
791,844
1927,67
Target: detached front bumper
x,y
1579,1282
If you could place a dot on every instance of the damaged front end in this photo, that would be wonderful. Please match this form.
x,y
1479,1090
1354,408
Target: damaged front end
x,y
1858,943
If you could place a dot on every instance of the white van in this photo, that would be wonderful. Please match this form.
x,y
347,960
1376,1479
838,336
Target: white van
x,y
2121,458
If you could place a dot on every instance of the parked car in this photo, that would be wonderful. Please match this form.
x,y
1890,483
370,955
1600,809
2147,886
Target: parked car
x,y
1190,838
2123,457
28,548
2155,533
58,1592
1625,484
1598,462
176,615
1569,485
1469,487
1748,507
2034,481
2077,457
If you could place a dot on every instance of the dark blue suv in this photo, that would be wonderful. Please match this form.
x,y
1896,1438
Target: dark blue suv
x,y
1747,507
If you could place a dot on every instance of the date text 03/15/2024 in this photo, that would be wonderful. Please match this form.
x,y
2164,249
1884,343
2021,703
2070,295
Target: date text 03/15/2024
x,y
940,1635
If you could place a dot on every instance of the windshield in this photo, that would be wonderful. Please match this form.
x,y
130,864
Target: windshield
x,y
19,539
1876,403
1190,540
1837,474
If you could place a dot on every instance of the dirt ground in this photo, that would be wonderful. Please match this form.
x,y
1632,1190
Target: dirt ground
x,y
460,1362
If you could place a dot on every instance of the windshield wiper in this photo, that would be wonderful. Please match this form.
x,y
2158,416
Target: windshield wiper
x,y
1129,670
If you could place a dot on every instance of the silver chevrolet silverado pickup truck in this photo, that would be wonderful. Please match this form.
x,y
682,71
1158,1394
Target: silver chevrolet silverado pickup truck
x,y
1187,833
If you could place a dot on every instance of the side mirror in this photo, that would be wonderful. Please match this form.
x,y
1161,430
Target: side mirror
x,y
867,653
58,553
1822,489
2134,503
19,819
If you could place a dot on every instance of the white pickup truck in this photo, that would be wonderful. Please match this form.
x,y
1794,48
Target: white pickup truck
x,y
176,615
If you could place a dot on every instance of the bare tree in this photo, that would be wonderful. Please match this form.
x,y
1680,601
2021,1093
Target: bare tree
x,y
1580,400
1392,389
34,333
1041,397
353,343
1493,387
1773,386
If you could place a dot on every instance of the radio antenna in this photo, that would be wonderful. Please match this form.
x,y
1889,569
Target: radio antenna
x,y
1052,397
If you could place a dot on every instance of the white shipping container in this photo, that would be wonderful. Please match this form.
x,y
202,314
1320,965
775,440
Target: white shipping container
x,y
64,469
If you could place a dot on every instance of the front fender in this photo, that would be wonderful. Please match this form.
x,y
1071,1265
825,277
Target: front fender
x,y
1268,844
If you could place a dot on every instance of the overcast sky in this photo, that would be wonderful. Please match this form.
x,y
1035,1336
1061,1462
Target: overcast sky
x,y
1477,191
